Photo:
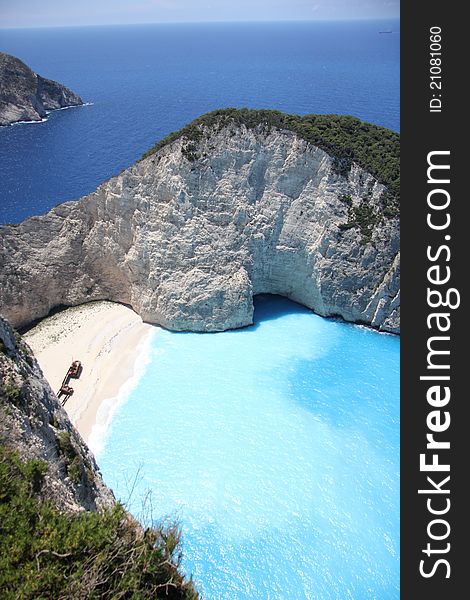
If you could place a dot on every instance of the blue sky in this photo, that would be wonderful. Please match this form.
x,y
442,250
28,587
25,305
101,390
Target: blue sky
x,y
45,13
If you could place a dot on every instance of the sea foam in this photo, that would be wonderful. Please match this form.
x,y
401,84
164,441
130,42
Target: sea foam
x,y
109,406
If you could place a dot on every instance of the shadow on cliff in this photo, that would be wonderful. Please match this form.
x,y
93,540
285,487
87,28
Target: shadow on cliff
x,y
269,307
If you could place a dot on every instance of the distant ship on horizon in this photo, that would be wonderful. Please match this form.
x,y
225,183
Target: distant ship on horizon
x,y
386,31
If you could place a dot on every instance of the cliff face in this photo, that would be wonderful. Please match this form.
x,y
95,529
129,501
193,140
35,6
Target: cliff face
x,y
191,233
26,96
34,424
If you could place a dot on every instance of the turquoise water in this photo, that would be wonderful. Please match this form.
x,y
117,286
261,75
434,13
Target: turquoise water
x,y
277,448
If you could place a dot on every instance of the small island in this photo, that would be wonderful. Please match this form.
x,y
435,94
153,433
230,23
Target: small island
x,y
26,96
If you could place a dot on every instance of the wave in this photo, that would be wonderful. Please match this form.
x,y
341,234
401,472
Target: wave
x,y
48,112
29,122
372,329
109,406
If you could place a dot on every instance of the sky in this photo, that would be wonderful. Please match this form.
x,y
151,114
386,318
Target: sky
x,y
57,13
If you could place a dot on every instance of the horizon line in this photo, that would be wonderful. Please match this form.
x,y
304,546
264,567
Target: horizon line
x,y
215,22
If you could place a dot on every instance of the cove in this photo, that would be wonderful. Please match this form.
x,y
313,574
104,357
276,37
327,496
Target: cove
x,y
277,448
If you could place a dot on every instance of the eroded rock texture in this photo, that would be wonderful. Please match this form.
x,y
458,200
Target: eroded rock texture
x,y
33,423
190,234
26,96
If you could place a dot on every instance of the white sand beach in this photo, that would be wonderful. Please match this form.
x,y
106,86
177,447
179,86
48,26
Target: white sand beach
x,y
110,341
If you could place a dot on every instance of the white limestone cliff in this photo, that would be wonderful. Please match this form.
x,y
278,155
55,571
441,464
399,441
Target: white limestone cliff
x,y
188,235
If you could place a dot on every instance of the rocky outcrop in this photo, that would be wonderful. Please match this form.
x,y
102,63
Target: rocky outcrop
x,y
26,96
33,423
188,235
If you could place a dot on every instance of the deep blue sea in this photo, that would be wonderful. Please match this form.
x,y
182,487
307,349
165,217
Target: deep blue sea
x,y
276,446
146,81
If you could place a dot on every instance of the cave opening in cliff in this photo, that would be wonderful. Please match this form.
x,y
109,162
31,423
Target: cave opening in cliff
x,y
268,307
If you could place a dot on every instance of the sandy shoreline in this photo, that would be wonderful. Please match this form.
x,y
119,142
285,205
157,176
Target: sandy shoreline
x,y
109,339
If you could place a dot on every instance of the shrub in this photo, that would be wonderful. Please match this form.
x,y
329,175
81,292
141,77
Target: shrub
x,y
346,199
12,391
346,138
363,216
66,447
48,554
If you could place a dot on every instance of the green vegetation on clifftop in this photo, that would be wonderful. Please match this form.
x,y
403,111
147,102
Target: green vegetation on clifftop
x,y
346,138
47,554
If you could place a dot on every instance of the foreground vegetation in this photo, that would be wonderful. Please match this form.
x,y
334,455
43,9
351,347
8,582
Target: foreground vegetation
x,y
48,554
346,138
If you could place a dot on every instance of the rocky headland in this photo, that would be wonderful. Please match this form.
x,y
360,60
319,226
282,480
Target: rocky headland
x,y
63,535
26,96
236,204
37,427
